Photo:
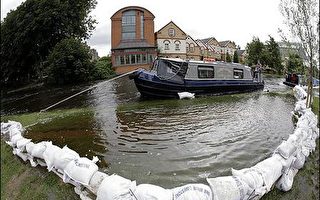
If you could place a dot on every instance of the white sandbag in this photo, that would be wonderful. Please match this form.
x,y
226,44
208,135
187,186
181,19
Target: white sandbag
x,y
14,131
186,95
29,147
15,139
226,188
286,180
310,144
18,125
63,157
286,163
39,148
299,161
250,176
81,170
96,181
48,155
299,92
305,151
5,128
300,106
286,149
301,134
152,192
303,123
23,156
116,187
270,169
192,192
33,163
21,144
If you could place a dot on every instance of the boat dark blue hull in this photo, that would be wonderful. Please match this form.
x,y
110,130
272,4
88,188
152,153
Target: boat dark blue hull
x,y
150,85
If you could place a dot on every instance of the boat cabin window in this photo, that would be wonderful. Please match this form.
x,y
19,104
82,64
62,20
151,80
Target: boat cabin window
x,y
205,71
170,70
238,73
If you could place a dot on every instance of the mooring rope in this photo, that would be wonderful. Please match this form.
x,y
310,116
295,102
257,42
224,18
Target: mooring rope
x,y
90,88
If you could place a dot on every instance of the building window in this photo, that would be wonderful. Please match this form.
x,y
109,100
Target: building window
x,y
205,71
166,46
133,59
187,47
238,73
138,57
142,26
177,45
171,32
129,25
144,58
121,60
127,59
191,47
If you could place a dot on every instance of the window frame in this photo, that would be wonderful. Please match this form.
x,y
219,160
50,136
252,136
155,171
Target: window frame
x,y
237,70
203,69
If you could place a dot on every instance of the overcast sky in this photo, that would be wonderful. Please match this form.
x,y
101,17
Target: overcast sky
x,y
232,20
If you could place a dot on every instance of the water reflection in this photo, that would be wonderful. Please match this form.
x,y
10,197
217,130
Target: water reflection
x,y
174,142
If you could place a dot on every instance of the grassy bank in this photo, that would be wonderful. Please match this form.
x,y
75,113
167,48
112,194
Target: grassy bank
x,y
21,181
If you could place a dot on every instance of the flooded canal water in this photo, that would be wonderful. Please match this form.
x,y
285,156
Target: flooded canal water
x,y
165,142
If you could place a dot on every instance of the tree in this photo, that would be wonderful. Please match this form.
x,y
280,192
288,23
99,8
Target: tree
x,y
255,50
235,57
295,64
228,58
302,19
271,55
69,63
103,68
31,31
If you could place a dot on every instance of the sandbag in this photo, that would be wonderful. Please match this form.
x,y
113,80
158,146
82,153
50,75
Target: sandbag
x,y
18,125
116,187
299,161
21,144
96,181
81,170
286,180
286,149
63,157
39,148
5,128
186,95
192,192
15,139
29,147
48,155
22,155
14,131
250,176
152,192
270,169
228,188
299,93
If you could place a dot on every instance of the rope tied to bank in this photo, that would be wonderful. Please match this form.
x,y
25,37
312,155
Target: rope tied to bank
x,y
83,91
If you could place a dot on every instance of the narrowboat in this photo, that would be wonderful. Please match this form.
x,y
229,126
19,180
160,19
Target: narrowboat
x,y
169,76
292,79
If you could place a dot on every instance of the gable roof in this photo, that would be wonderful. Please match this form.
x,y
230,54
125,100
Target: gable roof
x,y
192,40
174,25
224,43
207,40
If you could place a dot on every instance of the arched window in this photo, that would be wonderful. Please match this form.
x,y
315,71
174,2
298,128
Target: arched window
x,y
177,45
166,44
129,24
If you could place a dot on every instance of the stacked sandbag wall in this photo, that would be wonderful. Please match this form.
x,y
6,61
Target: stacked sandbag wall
x,y
243,184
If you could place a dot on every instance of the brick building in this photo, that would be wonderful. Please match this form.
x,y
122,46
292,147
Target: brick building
x,y
132,39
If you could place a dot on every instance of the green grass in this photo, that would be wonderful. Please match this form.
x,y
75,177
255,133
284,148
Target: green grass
x,y
43,117
21,181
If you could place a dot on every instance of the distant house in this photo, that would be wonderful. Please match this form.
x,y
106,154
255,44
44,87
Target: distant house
x,y
213,44
227,47
171,41
206,51
192,49
132,39
242,55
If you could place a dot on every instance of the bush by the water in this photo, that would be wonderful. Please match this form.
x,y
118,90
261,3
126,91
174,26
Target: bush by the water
x,y
69,62
103,68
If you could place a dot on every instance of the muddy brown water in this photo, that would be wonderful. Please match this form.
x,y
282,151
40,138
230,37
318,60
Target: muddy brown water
x,y
164,142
